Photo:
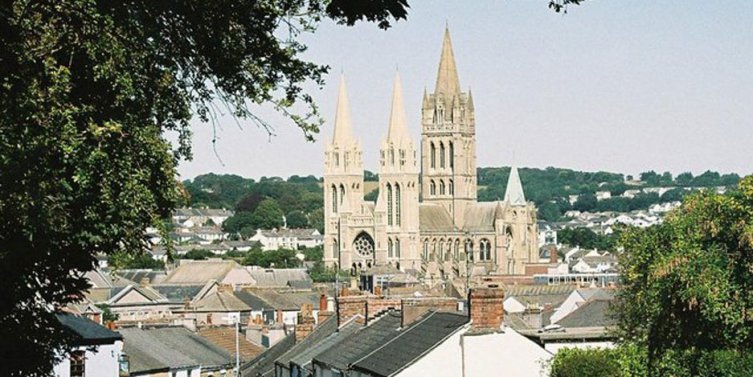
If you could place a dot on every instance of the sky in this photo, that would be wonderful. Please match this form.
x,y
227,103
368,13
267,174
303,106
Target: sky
x,y
619,86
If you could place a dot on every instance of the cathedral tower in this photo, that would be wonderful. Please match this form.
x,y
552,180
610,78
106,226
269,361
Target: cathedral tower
x,y
343,180
397,204
448,141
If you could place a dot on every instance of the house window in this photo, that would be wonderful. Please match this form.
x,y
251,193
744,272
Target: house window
x,y
389,204
397,204
78,364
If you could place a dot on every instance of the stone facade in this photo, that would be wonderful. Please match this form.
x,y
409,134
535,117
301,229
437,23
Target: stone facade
x,y
426,216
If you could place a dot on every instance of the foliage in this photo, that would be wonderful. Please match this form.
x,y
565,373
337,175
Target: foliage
x,y
321,274
296,219
590,362
687,282
267,215
198,254
107,314
372,195
122,260
316,219
587,239
282,258
313,254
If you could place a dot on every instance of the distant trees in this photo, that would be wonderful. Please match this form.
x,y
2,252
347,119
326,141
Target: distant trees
x,y
198,254
587,239
282,258
296,219
121,261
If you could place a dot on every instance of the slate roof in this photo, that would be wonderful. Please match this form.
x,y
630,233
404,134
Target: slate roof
x,y
264,364
434,218
252,300
86,331
220,301
135,275
178,293
224,337
170,347
357,345
592,313
539,295
413,342
303,359
285,300
321,332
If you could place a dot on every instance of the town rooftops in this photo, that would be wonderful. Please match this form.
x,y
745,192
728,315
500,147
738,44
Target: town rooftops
x,y
224,337
592,313
279,277
404,349
264,364
304,358
160,349
359,344
321,332
200,271
86,331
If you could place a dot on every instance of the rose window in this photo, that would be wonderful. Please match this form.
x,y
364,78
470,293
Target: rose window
x,y
364,245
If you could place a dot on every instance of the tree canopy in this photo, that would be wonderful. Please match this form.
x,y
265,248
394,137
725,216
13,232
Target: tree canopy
x,y
88,90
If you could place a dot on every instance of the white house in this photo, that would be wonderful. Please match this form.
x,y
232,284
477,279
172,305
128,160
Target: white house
x,y
287,238
98,351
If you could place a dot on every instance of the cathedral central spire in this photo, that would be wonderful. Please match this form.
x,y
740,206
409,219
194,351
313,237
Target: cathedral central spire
x,y
447,77
343,134
398,130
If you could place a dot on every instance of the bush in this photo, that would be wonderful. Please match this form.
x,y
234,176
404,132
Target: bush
x,y
590,362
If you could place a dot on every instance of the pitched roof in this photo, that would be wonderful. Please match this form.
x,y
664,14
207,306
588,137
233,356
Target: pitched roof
x,y
277,277
264,364
148,293
404,349
178,293
224,337
304,358
86,331
220,301
434,218
199,272
357,345
170,347
280,300
480,216
321,332
252,300
136,275
592,313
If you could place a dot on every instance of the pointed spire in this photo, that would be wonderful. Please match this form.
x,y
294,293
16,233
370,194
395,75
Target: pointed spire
x,y
343,133
447,77
514,193
398,130
426,104
470,99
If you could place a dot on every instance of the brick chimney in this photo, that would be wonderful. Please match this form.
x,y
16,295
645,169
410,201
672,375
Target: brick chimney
x,y
305,322
553,258
324,311
144,282
412,308
486,309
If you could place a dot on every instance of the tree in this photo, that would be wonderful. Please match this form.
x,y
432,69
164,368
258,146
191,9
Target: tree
x,y
316,219
198,254
684,179
549,211
585,203
240,220
297,219
134,260
694,269
591,362
87,91
267,215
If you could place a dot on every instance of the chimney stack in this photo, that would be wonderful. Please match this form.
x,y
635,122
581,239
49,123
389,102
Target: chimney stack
x,y
553,255
486,309
305,322
323,303
144,282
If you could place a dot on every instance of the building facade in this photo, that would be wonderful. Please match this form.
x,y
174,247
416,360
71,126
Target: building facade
x,y
426,216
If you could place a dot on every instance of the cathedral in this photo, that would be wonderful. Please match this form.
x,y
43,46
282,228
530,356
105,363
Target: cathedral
x,y
426,217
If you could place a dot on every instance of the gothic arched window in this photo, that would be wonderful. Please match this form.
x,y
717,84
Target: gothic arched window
x,y
397,248
433,156
390,250
440,247
441,187
469,250
334,198
485,253
397,204
426,249
441,155
457,249
433,188
392,156
337,159
364,245
389,204
452,155
451,187
342,193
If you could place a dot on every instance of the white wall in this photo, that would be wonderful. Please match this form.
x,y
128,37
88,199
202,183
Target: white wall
x,y
506,354
441,361
101,362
